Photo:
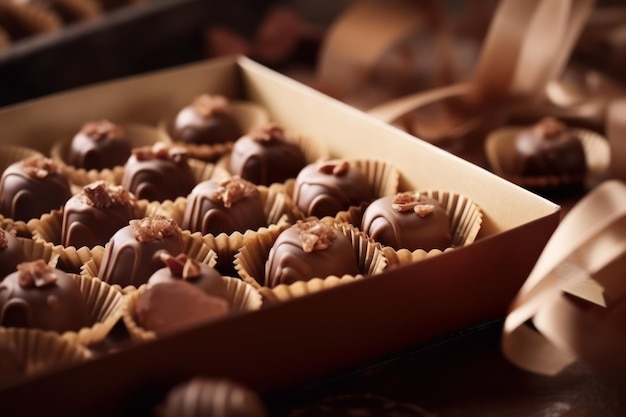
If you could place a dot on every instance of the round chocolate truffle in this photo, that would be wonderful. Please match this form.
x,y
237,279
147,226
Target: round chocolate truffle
x,y
408,220
325,188
11,253
224,206
39,296
92,216
307,250
182,267
265,156
206,397
32,187
99,145
158,173
132,254
208,120
549,148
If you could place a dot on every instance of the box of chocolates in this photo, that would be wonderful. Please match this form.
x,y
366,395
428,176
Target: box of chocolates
x,y
261,258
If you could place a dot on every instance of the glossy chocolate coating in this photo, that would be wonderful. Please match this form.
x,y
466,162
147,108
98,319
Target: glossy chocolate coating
x,y
224,206
205,397
11,253
289,262
548,148
326,188
407,229
99,145
33,187
158,173
130,259
39,296
265,156
89,223
208,120
172,306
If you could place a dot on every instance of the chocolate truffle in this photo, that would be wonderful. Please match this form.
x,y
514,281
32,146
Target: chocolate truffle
x,y
132,254
39,296
265,156
158,172
11,253
182,267
99,145
207,397
325,188
549,148
92,216
208,120
408,220
309,250
224,206
32,187
175,305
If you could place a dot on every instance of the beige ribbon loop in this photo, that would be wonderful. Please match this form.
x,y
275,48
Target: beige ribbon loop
x,y
576,286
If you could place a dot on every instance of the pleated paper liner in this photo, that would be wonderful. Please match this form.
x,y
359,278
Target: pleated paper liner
x,y
138,134
24,20
382,176
17,227
500,151
284,292
73,11
193,246
242,297
9,154
36,351
465,223
248,115
250,260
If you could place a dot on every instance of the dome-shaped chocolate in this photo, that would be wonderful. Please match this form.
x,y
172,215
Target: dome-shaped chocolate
x,y
98,145
208,120
11,253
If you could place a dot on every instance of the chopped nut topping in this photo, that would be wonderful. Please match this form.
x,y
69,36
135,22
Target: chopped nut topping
x,y
4,241
337,167
424,210
271,132
232,190
181,266
153,228
159,150
36,274
207,105
103,130
103,194
38,166
549,127
406,201
315,235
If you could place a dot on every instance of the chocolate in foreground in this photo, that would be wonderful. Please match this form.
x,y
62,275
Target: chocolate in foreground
x,y
325,188
174,306
32,187
209,397
408,221
309,250
186,269
265,156
208,120
41,297
98,145
92,216
159,172
132,254
11,253
224,206
549,148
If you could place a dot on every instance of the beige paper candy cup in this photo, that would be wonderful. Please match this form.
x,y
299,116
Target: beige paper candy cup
x,y
38,350
18,228
139,135
284,292
241,296
500,151
36,249
250,260
203,171
9,154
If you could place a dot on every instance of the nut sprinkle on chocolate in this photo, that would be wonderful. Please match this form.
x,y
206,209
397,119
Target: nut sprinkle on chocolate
x,y
102,194
176,154
549,127
38,166
181,266
4,241
410,201
336,167
36,274
315,235
234,189
271,132
149,229
207,105
103,130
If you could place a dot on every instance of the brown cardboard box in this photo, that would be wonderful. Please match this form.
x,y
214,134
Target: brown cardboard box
x,y
314,336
